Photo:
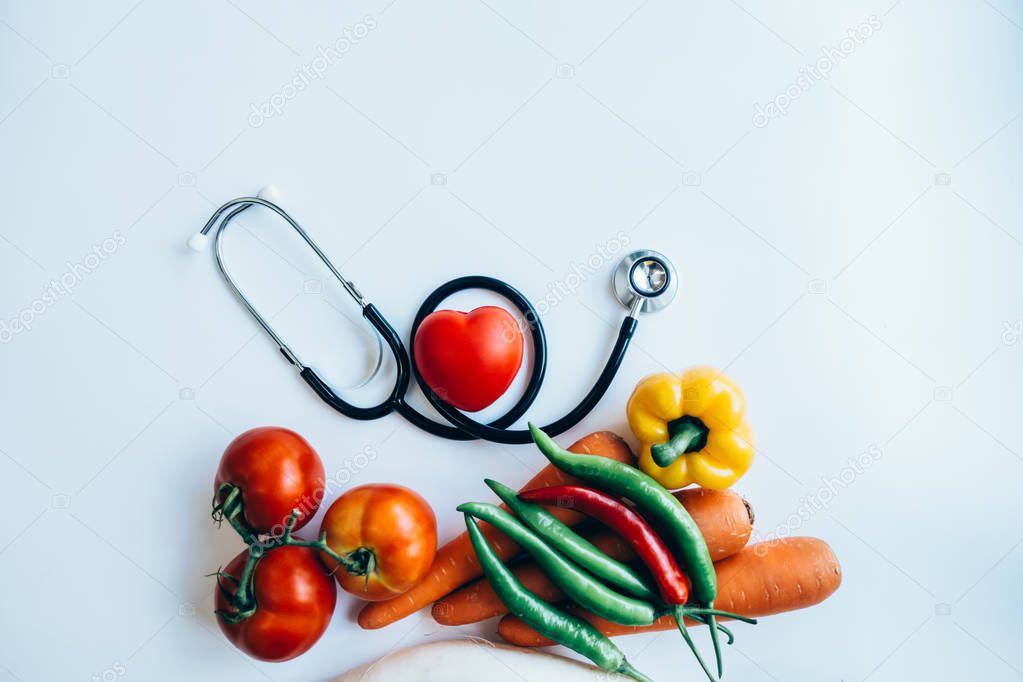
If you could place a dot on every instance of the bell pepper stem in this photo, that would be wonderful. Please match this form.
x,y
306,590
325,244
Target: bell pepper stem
x,y
686,435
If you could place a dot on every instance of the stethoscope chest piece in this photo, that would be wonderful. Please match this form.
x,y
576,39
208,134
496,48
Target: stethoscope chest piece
x,y
645,281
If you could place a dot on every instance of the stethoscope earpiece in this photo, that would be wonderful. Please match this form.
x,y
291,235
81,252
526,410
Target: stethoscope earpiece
x,y
270,193
199,241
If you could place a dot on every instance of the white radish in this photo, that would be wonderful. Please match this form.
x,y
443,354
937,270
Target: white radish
x,y
470,660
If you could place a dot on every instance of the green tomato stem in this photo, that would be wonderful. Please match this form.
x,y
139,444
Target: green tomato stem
x,y
228,505
361,561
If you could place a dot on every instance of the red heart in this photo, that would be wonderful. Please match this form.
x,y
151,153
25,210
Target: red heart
x,y
469,359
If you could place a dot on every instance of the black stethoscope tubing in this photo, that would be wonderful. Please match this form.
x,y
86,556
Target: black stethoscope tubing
x,y
459,426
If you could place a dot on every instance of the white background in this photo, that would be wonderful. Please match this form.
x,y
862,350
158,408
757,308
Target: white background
x,y
862,298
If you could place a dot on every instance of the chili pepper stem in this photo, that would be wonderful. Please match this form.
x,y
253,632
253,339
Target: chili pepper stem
x,y
688,434
722,628
715,642
692,611
680,619
700,617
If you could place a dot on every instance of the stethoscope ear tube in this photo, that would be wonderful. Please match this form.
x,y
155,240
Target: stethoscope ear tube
x,y
327,395
401,379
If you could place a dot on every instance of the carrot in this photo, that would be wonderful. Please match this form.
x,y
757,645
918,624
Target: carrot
x,y
761,580
455,563
723,516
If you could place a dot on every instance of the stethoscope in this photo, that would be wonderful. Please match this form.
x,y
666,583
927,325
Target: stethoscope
x,y
644,281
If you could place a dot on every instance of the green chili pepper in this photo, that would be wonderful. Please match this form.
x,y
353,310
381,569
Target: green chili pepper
x,y
574,546
584,553
572,632
578,585
614,609
660,506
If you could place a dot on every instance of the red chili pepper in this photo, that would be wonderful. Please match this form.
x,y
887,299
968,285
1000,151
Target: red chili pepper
x,y
671,582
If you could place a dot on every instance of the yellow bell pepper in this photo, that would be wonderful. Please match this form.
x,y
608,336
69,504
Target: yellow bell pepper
x,y
692,428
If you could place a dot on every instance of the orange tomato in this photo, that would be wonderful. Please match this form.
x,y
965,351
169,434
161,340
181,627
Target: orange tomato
x,y
388,535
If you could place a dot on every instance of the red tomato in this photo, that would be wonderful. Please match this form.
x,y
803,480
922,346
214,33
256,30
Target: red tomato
x,y
295,598
386,529
277,471
469,359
